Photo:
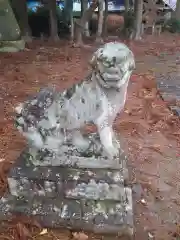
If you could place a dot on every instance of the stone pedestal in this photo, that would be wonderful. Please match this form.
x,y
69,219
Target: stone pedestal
x,y
68,177
80,193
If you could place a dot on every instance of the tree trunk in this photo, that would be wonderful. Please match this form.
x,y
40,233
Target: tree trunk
x,y
21,12
127,27
177,11
53,20
126,3
72,28
104,31
100,21
138,19
67,15
86,16
86,26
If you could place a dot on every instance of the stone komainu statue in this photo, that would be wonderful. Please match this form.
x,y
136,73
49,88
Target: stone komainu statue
x,y
51,118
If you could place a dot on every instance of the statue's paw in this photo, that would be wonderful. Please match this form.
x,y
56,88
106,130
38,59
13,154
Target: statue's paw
x,y
112,152
116,143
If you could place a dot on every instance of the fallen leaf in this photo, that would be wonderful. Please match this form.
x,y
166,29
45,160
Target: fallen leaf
x,y
156,148
143,201
44,231
23,232
150,236
80,236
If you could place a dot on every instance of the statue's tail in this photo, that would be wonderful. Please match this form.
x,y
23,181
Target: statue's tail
x,y
37,116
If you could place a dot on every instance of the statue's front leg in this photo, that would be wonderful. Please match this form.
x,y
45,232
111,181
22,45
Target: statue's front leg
x,y
34,138
106,133
107,136
79,141
115,141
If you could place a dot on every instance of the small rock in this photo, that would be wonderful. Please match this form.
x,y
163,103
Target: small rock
x,y
80,236
137,190
143,201
150,236
43,232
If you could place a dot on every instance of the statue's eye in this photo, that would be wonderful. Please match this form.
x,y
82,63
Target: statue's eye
x,y
82,100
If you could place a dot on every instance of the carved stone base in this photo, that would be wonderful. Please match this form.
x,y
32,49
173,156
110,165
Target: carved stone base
x,y
79,193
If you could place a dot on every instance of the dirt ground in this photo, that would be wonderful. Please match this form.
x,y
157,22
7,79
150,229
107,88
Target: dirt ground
x,y
151,133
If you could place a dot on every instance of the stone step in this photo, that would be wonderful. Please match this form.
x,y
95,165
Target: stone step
x,y
95,199
74,161
53,181
104,217
23,168
69,189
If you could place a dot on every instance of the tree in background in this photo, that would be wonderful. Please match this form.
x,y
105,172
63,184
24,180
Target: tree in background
x,y
173,23
53,20
104,31
67,15
138,13
21,13
129,19
86,16
82,27
133,20
177,11
84,7
145,15
127,6
100,21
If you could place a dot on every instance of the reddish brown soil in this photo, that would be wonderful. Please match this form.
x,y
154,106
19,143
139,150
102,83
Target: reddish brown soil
x,y
151,134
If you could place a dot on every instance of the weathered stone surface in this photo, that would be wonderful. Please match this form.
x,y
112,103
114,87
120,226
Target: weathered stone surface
x,y
12,46
6,205
77,161
72,166
9,28
91,199
99,182
90,215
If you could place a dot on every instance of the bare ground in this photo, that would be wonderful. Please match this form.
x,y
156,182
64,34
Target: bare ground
x,y
150,131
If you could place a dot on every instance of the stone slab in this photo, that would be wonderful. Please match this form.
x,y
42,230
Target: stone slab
x,y
91,198
69,189
12,46
169,89
54,181
102,217
73,161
